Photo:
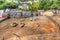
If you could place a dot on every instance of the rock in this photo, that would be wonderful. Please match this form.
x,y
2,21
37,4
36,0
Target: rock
x,y
14,24
22,24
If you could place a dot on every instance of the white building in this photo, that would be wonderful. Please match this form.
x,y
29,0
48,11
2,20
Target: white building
x,y
1,12
24,5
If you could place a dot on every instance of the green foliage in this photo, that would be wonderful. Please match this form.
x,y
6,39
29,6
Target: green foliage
x,y
23,0
4,4
1,2
41,5
1,6
49,4
46,5
10,5
34,6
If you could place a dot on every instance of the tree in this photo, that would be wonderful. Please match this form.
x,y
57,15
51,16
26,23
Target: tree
x,y
1,6
4,4
42,4
22,0
49,4
10,5
34,6
1,2
58,3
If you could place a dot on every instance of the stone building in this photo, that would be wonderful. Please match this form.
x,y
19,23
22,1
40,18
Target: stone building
x,y
15,13
18,13
26,13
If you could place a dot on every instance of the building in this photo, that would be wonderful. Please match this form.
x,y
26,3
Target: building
x,y
26,13
14,13
18,13
1,12
24,5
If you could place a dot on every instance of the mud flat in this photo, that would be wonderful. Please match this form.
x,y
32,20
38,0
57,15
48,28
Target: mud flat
x,y
35,28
